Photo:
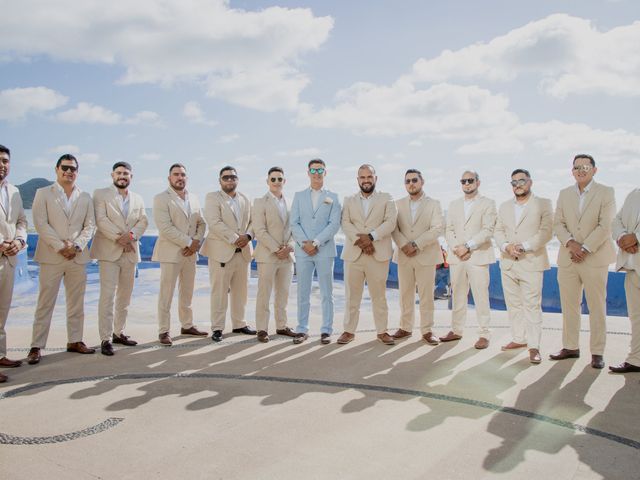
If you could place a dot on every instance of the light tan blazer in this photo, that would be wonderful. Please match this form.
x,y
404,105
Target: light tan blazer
x,y
478,227
628,221
424,231
270,230
592,227
535,228
382,217
176,228
224,227
13,222
111,223
54,226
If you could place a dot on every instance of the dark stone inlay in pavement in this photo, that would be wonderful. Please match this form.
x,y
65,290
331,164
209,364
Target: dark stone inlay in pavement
x,y
6,439
300,381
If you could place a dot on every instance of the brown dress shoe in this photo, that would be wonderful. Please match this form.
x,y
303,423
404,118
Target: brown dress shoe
x,y
165,339
450,337
345,338
325,339
513,346
286,331
6,363
299,338
193,331
534,356
400,333
34,356
624,368
79,347
482,343
263,336
597,361
122,339
3,378
386,338
564,354
430,338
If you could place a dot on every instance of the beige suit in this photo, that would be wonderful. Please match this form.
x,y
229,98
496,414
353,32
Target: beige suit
x,y
117,268
54,225
272,232
477,230
591,227
177,227
522,277
13,226
228,267
628,221
379,221
418,271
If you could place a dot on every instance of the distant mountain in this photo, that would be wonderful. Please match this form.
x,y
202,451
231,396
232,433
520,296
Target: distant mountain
x,y
28,189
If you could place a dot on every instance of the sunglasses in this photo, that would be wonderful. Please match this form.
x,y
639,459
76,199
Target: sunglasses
x,y
467,181
68,168
519,183
229,178
411,180
276,179
319,170
582,168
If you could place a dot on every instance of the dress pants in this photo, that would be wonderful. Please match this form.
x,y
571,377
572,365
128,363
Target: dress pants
x,y
375,273
116,280
410,275
74,276
523,297
572,280
632,290
463,276
227,282
304,273
184,271
272,275
6,291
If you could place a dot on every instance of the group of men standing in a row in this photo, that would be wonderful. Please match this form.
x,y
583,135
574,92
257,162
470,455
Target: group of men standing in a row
x,y
66,220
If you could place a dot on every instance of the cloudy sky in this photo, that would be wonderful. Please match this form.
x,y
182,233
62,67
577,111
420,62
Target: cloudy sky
x,y
439,86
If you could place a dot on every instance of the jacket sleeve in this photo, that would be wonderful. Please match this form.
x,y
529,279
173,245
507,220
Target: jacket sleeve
x,y
88,226
142,223
165,226
606,214
348,227
389,221
560,223
21,222
545,232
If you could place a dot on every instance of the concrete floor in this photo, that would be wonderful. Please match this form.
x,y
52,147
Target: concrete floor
x,y
240,409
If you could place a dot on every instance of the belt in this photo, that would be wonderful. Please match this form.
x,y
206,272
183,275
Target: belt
x,y
238,250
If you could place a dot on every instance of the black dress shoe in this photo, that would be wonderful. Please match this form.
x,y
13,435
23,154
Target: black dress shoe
x,y
106,348
286,331
246,330
564,354
216,336
122,339
34,356
597,361
624,368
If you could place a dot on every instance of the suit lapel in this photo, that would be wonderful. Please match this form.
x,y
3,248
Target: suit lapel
x,y
471,211
422,206
6,209
177,201
589,196
525,211
273,207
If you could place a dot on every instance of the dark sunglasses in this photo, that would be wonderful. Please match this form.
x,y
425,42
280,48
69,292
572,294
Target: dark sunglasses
x,y
319,170
277,179
68,168
411,180
228,178
519,183
467,181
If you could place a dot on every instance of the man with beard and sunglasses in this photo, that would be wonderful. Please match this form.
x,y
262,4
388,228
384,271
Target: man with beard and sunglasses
x,y
120,220
470,223
582,223
420,223
13,238
523,229
64,219
368,219
176,213
228,246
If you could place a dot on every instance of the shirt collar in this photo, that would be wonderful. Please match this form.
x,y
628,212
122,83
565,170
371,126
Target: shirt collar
x,y
373,194
419,198
276,198
61,190
586,189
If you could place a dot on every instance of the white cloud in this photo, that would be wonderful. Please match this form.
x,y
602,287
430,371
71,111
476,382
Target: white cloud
x,y
194,113
16,103
88,113
310,152
232,137
569,55
145,117
61,149
151,156
249,58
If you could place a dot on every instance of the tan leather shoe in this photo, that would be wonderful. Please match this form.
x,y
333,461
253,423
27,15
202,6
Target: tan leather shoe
x,y
400,333
386,338
513,346
3,378
450,337
430,338
286,331
482,343
564,354
6,363
165,339
263,336
193,331
34,356
345,338
79,347
534,356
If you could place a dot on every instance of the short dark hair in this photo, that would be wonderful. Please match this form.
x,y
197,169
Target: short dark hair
x,y
275,169
67,156
414,170
228,167
177,165
122,164
521,170
4,149
584,155
316,160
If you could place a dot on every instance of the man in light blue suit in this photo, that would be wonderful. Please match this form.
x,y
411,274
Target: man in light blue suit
x,y
315,220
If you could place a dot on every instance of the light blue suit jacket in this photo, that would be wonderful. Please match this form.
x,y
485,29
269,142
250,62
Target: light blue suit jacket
x,y
320,224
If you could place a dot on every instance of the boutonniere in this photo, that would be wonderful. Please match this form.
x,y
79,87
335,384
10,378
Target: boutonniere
x,y
328,200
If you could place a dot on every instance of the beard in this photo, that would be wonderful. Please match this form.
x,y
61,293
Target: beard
x,y
367,189
117,183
